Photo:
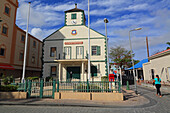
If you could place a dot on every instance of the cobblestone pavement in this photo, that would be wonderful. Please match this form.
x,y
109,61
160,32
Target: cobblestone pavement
x,y
156,105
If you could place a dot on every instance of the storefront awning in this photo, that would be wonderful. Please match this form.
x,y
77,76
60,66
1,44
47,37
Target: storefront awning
x,y
6,66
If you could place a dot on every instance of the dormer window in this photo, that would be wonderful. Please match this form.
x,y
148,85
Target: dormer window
x,y
73,16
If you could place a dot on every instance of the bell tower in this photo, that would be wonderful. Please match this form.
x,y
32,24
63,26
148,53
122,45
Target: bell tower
x,y
75,17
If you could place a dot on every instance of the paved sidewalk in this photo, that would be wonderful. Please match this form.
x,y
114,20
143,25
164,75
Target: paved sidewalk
x,y
131,100
163,88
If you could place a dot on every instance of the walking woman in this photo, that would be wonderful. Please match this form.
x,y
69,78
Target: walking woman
x,y
157,82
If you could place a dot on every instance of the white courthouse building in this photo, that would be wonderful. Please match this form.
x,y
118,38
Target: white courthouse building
x,y
65,50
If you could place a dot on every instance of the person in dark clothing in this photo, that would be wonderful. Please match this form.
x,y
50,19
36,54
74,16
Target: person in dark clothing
x,y
157,82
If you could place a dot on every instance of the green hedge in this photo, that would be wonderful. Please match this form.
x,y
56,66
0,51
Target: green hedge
x,y
32,78
104,78
8,88
92,88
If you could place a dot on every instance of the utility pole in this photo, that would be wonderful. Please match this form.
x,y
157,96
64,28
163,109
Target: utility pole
x,y
147,46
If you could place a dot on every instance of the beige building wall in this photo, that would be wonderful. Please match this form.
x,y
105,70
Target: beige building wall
x,y
13,44
9,22
161,66
31,50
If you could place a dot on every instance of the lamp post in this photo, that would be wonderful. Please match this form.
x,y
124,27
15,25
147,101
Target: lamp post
x,y
106,21
132,58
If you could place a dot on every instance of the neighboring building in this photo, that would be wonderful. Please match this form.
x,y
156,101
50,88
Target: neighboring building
x,y
65,51
159,64
12,43
138,69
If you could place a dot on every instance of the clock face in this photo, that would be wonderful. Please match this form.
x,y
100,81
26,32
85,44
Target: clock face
x,y
74,22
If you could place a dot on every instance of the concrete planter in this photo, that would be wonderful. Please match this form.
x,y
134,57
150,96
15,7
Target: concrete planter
x,y
72,95
107,96
90,96
13,95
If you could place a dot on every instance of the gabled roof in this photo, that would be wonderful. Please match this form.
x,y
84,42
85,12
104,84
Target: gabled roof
x,y
74,10
162,53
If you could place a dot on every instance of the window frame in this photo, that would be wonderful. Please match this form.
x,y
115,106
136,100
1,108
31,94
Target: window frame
x,y
2,46
2,31
51,71
73,16
21,59
55,52
2,52
98,50
22,38
33,59
9,11
34,43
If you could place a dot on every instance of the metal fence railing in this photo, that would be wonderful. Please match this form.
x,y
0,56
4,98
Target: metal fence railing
x,y
92,86
21,86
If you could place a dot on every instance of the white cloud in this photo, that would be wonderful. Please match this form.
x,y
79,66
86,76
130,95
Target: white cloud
x,y
41,33
137,7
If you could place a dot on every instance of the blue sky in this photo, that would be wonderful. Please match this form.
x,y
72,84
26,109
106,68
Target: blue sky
x,y
153,16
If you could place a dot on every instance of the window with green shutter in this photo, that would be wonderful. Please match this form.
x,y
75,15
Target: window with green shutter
x,y
93,71
98,50
73,16
95,50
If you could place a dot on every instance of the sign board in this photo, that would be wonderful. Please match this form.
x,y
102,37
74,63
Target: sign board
x,y
72,43
111,77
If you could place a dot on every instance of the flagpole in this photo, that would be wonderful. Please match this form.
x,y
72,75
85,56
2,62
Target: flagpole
x,y
88,40
26,40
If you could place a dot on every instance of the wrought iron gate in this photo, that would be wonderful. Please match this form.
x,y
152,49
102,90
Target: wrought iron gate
x,y
41,89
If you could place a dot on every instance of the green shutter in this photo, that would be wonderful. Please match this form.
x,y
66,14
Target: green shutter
x,y
93,70
98,50
73,16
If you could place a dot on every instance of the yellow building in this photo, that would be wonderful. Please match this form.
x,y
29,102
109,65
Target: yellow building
x,y
12,43
65,51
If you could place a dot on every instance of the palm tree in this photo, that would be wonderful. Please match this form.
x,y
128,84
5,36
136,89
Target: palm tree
x,y
168,44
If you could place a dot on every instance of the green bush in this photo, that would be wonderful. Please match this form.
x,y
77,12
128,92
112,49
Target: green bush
x,y
104,78
49,78
32,78
7,80
8,88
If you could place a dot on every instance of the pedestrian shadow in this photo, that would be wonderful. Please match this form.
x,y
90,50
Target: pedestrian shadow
x,y
166,94
129,95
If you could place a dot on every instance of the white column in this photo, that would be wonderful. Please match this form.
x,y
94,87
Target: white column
x,y
59,73
82,70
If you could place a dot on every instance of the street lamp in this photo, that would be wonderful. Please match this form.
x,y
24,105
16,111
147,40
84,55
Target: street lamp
x,y
106,21
132,58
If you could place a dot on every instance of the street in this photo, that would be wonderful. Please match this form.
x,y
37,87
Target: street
x,y
156,105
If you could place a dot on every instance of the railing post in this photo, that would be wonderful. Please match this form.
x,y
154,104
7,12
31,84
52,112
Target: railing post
x,y
87,85
29,88
57,85
25,86
54,88
127,88
41,88
119,87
